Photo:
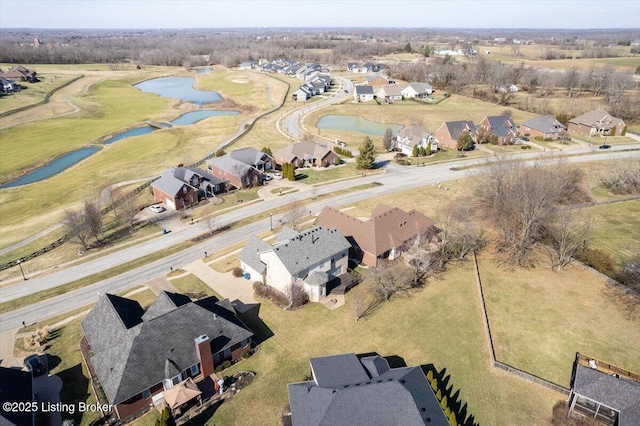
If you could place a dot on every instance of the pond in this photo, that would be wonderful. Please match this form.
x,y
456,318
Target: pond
x,y
356,123
74,157
54,167
178,88
205,70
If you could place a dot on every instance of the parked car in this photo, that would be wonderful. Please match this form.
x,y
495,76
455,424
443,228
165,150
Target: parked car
x,y
36,364
156,208
604,146
266,177
277,176
517,141
526,139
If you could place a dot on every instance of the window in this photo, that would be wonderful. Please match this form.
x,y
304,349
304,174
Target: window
x,y
216,358
184,189
146,394
195,369
227,353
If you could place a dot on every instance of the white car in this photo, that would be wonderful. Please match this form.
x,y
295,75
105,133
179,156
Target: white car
x,y
277,176
156,208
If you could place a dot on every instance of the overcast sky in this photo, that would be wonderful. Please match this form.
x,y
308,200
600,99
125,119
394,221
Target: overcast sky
x,y
573,14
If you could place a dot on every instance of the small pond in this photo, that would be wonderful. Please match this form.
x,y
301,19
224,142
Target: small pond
x,y
355,123
205,70
54,167
195,116
178,88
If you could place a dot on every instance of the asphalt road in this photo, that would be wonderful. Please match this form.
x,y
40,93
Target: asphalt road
x,y
396,178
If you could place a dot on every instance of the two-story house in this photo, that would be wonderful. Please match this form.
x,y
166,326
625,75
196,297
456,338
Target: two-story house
x,y
137,355
181,187
501,127
415,136
597,123
310,259
448,133
242,168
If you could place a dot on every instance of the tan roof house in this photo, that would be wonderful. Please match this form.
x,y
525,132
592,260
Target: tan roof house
x,y
382,236
597,123
390,94
413,136
306,153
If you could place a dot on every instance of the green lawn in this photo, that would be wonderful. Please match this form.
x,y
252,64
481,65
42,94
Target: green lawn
x,y
539,319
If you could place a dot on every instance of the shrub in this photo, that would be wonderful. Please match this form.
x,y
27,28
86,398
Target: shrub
x,y
597,259
343,152
525,147
246,354
220,153
238,272
225,364
539,138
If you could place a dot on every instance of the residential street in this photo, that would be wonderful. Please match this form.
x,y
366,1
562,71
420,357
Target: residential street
x,y
396,178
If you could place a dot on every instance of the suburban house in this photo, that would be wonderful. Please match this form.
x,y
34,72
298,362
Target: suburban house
x,y
347,390
137,355
417,90
597,123
20,73
353,67
413,136
384,235
390,94
544,126
371,67
379,80
180,187
363,93
242,168
306,153
7,86
309,259
302,93
604,392
16,387
500,126
508,89
247,65
448,133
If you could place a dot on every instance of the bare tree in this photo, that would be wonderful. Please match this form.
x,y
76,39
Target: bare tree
x,y
387,139
459,233
294,214
239,170
362,304
389,279
76,227
211,221
569,234
93,218
129,210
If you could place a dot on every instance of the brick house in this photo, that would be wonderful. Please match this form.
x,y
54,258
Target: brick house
x,y
242,168
448,133
311,259
181,187
136,355
597,123
306,153
544,126
382,236
501,127
379,80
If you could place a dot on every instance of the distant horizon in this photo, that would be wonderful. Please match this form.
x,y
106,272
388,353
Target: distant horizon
x,y
370,14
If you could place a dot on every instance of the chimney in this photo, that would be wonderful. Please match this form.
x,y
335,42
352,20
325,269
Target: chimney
x,y
203,348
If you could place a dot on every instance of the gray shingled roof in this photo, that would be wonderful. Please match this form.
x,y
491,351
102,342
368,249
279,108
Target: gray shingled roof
x,y
364,90
399,396
130,360
457,127
249,156
317,278
303,150
250,254
544,124
309,248
172,180
501,125
618,393
229,164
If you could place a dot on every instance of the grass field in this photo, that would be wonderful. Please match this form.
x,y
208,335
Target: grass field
x,y
438,325
34,92
192,284
539,319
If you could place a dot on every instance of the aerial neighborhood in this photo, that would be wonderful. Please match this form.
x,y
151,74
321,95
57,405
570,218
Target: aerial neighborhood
x,y
320,226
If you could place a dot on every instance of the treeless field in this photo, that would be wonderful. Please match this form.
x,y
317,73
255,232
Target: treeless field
x,y
34,92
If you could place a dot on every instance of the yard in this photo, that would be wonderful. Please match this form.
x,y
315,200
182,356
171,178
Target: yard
x,y
34,92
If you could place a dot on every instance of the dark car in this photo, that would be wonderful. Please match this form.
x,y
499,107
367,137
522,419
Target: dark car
x,y
526,139
36,364
604,146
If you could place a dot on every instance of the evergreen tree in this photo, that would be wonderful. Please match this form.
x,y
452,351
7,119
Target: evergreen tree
x,y
421,151
367,155
292,172
427,151
415,151
465,142
267,151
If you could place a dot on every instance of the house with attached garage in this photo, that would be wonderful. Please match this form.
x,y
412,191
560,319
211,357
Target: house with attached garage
x,y
415,136
501,127
384,235
310,259
137,355
417,90
363,93
390,94
347,390
242,168
353,67
180,187
597,123
448,133
306,153
379,80
544,126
